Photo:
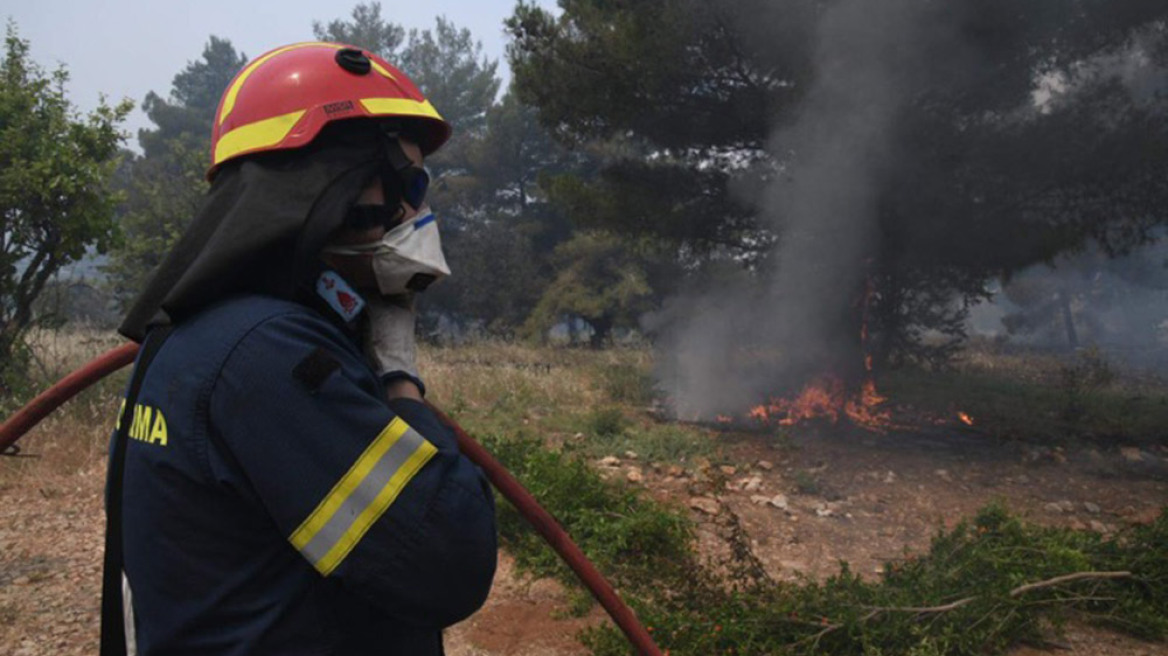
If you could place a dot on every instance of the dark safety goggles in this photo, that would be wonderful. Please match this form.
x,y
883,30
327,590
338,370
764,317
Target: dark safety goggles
x,y
413,182
401,178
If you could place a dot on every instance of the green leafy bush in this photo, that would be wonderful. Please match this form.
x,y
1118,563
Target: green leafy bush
x,y
985,585
626,382
633,540
605,422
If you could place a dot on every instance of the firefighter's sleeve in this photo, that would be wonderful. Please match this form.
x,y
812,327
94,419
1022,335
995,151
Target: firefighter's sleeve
x,y
372,493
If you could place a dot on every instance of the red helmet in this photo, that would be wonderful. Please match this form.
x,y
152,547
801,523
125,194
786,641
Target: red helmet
x,y
283,98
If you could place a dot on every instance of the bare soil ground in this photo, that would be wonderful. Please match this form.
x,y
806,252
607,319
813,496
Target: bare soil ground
x,y
858,497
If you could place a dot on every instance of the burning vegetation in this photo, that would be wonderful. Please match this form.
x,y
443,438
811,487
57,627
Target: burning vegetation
x,y
831,399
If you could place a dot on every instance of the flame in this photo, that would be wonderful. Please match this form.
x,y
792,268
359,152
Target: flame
x,y
723,419
826,398
965,419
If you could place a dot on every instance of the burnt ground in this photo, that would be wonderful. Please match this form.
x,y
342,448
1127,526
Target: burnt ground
x,y
855,496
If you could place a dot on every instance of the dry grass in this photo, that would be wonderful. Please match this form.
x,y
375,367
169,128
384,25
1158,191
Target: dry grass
x,y
492,385
58,352
74,438
486,374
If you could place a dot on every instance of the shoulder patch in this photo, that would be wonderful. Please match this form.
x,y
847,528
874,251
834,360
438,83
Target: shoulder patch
x,y
342,298
315,368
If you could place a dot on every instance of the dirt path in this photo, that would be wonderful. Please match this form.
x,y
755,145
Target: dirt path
x,y
51,529
868,498
861,498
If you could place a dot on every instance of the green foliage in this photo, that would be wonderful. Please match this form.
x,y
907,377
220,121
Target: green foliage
x,y
448,65
807,483
55,201
164,192
653,443
600,279
164,188
680,97
606,422
364,29
676,90
627,383
503,229
16,386
1086,376
986,585
194,97
634,541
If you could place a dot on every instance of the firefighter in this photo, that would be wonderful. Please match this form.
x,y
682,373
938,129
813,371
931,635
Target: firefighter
x,y
277,484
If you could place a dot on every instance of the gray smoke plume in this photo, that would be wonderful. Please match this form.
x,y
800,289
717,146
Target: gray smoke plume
x,y
822,204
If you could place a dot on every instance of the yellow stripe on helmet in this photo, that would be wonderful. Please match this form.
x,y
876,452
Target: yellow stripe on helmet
x,y
233,90
381,69
399,107
259,134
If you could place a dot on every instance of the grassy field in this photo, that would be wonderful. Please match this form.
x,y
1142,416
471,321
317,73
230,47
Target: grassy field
x,y
1042,398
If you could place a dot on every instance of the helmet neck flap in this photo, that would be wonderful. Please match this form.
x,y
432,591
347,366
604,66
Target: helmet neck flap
x,y
262,225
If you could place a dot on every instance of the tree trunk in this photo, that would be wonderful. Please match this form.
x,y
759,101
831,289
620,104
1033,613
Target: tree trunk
x,y
1068,319
601,330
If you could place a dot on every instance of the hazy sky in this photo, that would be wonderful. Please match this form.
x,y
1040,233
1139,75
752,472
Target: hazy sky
x,y
125,48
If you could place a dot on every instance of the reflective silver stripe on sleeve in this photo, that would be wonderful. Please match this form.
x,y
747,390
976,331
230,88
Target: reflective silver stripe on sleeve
x,y
362,495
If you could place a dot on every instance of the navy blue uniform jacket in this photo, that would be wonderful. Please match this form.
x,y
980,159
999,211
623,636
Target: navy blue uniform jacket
x,y
276,503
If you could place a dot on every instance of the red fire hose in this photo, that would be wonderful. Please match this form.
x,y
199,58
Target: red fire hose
x,y
543,522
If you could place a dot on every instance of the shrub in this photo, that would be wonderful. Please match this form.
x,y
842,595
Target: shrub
x,y
987,584
636,541
605,422
628,383
1080,380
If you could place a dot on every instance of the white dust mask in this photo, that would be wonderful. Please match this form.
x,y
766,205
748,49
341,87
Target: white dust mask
x,y
408,258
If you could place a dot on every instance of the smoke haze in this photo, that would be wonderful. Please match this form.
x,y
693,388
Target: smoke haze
x,y
1089,299
823,205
